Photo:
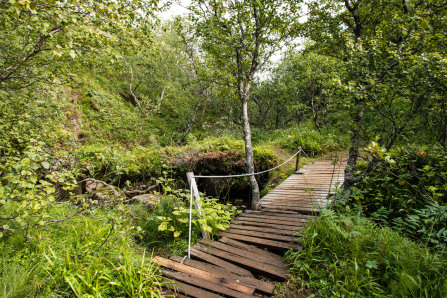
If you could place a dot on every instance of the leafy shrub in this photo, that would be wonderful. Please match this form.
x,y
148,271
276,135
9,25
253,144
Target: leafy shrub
x,y
167,226
407,192
349,256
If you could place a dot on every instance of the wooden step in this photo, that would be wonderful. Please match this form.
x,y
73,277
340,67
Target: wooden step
x,y
214,282
189,291
263,224
279,214
202,283
266,269
263,235
262,286
276,245
251,248
280,218
219,262
241,252
266,230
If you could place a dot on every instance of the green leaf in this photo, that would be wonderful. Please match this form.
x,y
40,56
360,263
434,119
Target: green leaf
x,y
163,226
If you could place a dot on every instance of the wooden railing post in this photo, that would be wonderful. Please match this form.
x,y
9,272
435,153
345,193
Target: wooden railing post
x,y
298,157
196,199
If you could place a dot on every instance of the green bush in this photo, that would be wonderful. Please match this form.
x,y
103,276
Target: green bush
x,y
166,227
407,192
346,255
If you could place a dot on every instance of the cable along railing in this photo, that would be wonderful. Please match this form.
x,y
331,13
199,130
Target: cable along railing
x,y
196,200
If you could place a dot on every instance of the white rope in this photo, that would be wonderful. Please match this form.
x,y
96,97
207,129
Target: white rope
x,y
190,219
253,174
193,186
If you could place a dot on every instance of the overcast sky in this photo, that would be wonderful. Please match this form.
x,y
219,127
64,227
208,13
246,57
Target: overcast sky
x,y
178,7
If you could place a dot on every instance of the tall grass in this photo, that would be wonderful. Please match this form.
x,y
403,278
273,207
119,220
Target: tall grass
x,y
349,256
93,256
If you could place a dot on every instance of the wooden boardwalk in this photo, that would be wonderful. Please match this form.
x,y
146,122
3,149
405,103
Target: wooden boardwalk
x,y
247,258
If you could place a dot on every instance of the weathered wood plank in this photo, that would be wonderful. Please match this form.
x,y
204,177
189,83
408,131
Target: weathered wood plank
x,y
267,269
279,214
263,235
251,248
271,221
219,262
203,283
260,216
261,224
265,230
277,245
241,252
208,276
189,290
260,285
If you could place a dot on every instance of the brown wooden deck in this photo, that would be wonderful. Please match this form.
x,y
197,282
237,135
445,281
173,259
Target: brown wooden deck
x,y
247,258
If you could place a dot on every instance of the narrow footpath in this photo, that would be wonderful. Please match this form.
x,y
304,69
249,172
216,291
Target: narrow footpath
x,y
248,255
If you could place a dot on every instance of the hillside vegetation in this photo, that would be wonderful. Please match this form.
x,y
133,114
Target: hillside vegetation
x,y
104,109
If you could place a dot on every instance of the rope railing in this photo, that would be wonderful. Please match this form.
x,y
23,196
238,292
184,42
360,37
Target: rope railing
x,y
195,197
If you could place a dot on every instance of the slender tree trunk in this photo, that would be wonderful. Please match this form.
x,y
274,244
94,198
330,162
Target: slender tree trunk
x,y
249,161
191,123
354,149
315,108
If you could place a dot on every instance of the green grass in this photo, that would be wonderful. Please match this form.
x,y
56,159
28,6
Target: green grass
x,y
305,136
92,256
349,256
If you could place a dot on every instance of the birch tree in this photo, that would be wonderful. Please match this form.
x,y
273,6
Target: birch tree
x,y
241,36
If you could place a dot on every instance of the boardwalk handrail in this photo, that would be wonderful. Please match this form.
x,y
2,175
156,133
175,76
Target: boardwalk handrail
x,y
195,197
254,174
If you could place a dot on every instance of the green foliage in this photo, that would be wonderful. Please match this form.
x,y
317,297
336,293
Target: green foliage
x,y
38,35
88,256
18,279
350,256
312,142
167,226
407,192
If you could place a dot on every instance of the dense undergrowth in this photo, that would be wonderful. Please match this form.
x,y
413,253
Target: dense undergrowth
x,y
348,255
385,237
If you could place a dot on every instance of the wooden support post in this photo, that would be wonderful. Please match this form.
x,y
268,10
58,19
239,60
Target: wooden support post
x,y
197,203
298,157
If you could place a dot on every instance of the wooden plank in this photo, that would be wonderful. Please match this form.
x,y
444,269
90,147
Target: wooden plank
x,y
190,291
267,269
263,235
280,202
288,219
300,209
277,245
241,252
279,214
211,277
203,283
219,262
251,248
261,224
265,230
260,285
272,221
